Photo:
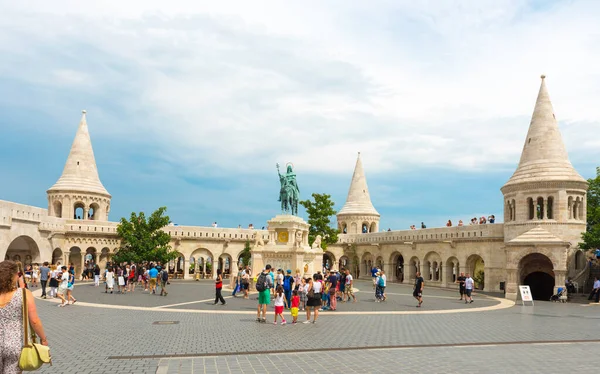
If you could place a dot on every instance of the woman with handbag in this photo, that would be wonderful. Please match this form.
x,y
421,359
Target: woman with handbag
x,y
13,313
313,299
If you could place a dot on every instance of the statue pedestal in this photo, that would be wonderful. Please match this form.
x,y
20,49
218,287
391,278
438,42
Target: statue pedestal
x,y
287,248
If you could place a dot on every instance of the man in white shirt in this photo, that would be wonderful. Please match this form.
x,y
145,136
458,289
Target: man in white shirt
x,y
596,290
469,284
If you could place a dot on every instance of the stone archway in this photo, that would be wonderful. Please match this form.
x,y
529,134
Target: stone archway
x,y
431,267
202,262
176,266
452,270
225,264
76,259
379,263
104,258
24,249
396,267
537,271
57,257
344,263
366,264
476,268
328,260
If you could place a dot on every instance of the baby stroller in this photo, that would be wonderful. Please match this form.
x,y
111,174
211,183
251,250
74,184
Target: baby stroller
x,y
560,296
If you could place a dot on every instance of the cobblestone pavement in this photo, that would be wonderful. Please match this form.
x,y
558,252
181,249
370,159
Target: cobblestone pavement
x,y
87,339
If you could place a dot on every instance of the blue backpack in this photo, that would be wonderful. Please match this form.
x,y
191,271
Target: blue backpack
x,y
380,282
287,282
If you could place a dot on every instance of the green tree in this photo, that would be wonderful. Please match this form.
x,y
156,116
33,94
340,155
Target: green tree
x,y
319,212
246,254
144,240
591,237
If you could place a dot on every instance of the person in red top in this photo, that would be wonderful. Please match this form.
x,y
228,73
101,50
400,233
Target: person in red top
x,y
295,305
218,287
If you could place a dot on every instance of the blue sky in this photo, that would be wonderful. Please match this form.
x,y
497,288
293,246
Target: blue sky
x,y
191,105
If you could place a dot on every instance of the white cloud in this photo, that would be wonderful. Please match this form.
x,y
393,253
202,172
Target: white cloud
x,y
233,85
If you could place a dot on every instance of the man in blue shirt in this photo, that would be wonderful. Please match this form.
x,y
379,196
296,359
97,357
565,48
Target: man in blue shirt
x,y
153,274
44,271
374,276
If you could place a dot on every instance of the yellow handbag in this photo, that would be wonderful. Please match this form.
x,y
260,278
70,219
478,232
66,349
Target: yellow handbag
x,y
33,355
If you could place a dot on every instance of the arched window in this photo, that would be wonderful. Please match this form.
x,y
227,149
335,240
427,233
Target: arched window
x,y
57,209
539,208
514,210
570,205
531,208
550,207
365,228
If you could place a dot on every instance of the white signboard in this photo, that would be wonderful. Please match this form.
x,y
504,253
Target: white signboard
x,y
525,294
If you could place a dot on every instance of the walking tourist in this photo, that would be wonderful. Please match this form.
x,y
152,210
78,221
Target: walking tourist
x,y
596,290
237,287
164,280
132,278
461,284
288,284
349,287
152,274
264,283
70,298
302,290
469,283
219,287
280,301
418,291
313,299
246,282
63,286
96,275
332,285
44,273
28,272
11,318
109,278
53,281
35,275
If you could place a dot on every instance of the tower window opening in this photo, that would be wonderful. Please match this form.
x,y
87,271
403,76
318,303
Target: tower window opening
x,y
550,207
539,208
530,206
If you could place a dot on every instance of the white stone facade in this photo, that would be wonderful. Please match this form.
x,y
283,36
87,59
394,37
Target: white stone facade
x,y
544,216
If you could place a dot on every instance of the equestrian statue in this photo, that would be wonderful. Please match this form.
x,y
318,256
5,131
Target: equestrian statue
x,y
289,194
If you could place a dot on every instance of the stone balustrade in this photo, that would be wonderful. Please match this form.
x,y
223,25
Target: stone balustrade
x,y
473,232
214,233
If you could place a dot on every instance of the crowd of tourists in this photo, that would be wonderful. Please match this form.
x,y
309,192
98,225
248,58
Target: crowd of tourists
x,y
125,277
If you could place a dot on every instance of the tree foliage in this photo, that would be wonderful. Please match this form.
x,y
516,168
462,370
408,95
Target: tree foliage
x,y
144,240
591,238
319,212
246,255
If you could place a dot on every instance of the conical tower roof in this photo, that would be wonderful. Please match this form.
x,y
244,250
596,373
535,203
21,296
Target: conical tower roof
x,y
359,200
80,172
544,156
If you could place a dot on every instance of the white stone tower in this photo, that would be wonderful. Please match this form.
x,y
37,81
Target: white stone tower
x,y
358,215
78,193
545,190
544,209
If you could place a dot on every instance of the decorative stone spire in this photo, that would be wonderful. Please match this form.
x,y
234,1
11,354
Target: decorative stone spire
x,y
544,156
80,173
359,200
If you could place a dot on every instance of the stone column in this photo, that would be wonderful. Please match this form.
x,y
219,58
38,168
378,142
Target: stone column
x,y
204,268
545,215
446,275
407,276
186,268
85,212
512,284
559,279
291,236
233,271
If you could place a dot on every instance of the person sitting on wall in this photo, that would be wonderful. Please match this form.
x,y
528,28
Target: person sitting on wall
x,y
596,290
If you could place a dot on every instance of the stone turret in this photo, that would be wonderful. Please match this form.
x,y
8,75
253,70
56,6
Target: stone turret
x,y
545,191
78,193
358,215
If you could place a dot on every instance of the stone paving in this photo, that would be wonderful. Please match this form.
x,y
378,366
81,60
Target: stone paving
x,y
87,339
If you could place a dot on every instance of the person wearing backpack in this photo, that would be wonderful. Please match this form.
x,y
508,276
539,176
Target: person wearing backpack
x,y
164,278
288,285
264,283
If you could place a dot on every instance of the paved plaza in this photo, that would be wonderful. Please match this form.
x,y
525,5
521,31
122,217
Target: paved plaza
x,y
185,333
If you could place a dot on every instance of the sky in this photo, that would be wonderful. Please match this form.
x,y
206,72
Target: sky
x,y
191,104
